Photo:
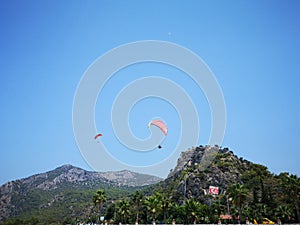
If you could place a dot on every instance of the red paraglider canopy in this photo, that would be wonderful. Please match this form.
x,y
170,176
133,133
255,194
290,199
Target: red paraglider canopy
x,y
98,135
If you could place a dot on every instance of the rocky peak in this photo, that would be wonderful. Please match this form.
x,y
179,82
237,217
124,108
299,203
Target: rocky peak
x,y
204,166
182,161
201,156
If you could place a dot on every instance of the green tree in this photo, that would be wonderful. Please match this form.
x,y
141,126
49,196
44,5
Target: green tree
x,y
152,204
221,204
111,211
261,211
99,198
291,184
177,212
284,212
192,209
239,195
137,201
164,203
254,180
124,210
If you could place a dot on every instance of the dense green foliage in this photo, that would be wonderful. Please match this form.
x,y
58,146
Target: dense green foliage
x,y
64,205
264,195
274,196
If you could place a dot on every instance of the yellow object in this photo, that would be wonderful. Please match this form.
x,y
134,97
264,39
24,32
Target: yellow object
x,y
255,222
267,221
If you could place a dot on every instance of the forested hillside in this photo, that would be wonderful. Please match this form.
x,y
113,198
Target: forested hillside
x,y
229,187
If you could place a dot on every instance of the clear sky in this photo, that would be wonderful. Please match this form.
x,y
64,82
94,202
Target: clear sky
x,y
252,48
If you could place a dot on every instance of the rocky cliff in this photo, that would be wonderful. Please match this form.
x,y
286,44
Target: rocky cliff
x,y
198,168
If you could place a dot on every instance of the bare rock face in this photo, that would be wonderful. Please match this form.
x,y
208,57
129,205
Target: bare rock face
x,y
182,161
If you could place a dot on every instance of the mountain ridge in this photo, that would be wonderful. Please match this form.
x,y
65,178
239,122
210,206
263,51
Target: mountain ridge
x,y
44,189
67,191
69,172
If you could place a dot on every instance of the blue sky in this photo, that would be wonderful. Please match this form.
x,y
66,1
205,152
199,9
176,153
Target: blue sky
x,y
252,47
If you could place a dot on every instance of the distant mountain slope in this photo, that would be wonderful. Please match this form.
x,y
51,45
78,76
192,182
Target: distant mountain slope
x,y
75,175
66,185
129,178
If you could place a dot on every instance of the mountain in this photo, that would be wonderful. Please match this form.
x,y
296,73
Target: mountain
x,y
193,176
245,190
66,185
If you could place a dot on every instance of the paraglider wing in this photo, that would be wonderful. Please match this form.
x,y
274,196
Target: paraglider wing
x,y
160,124
98,135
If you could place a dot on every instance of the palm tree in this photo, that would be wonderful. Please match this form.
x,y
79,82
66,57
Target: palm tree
x,y
177,212
99,198
152,205
164,203
284,212
124,209
221,203
192,208
239,195
261,211
137,198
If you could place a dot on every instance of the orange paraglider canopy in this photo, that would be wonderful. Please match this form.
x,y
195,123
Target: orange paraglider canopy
x,y
160,124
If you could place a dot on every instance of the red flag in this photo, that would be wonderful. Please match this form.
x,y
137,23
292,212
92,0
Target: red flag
x,y
226,217
213,190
